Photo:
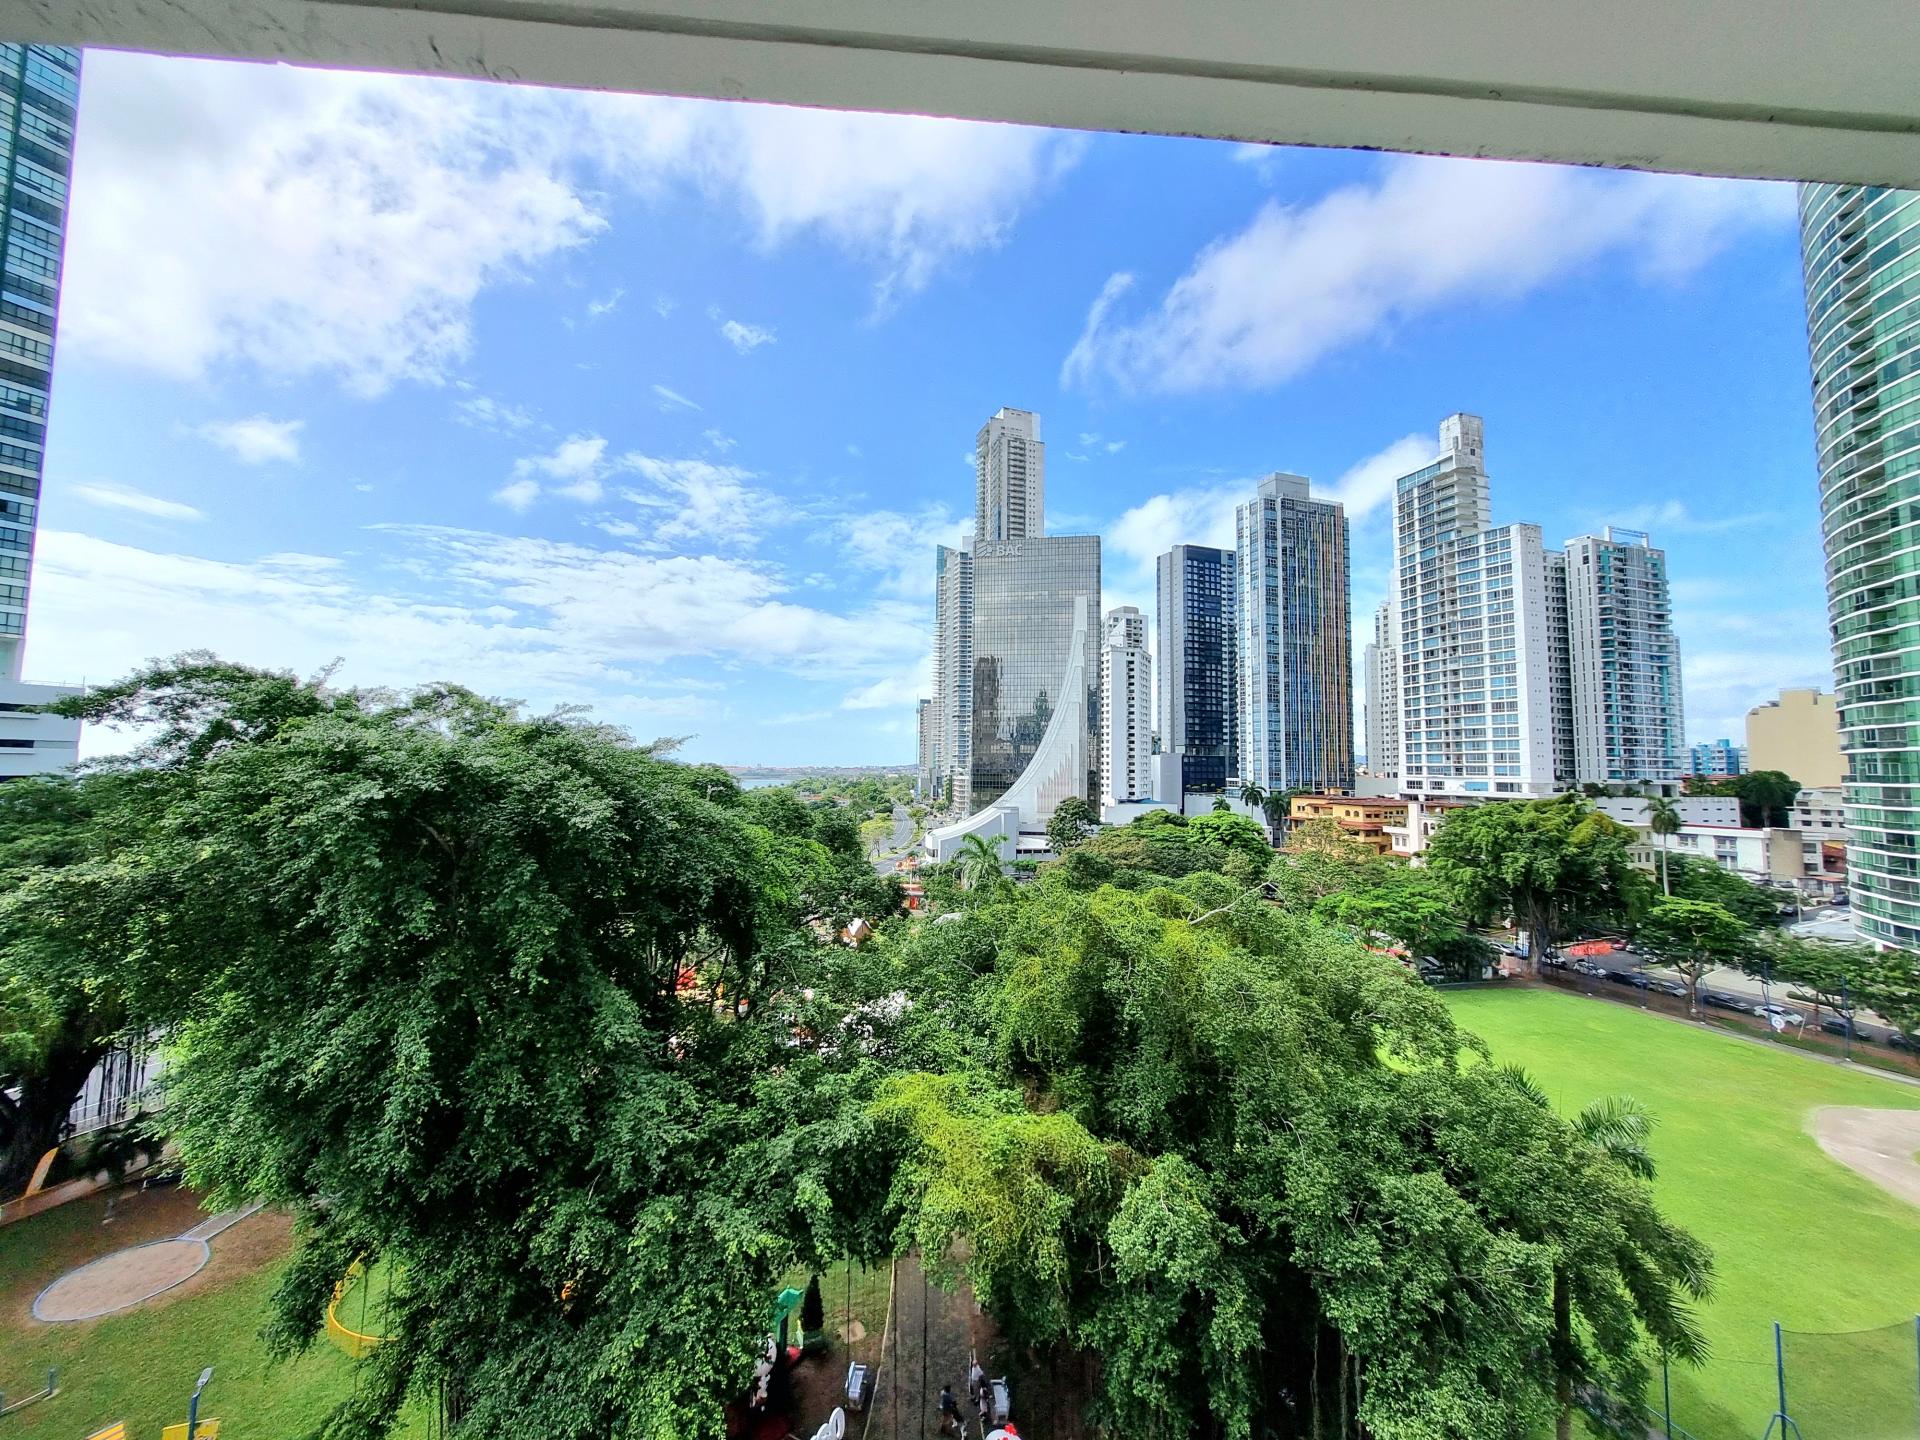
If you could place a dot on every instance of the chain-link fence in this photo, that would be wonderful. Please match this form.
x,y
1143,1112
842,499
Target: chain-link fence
x,y
1853,1385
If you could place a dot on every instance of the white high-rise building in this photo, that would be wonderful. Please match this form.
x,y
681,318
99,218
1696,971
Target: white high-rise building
x,y
1383,693
1476,695
1010,469
1628,718
1126,710
1295,725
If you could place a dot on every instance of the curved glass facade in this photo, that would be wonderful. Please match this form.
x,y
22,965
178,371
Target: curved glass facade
x,y
1023,635
1861,248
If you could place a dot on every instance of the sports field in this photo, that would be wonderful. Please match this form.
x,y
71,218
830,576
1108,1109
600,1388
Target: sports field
x,y
1797,1237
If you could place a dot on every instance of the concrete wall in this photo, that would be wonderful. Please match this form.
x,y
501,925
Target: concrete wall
x,y
1774,88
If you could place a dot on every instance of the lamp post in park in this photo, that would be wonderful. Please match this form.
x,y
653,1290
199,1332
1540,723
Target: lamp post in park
x,y
193,1404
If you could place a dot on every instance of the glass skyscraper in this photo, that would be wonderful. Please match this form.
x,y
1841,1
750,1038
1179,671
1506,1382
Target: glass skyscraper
x,y
1025,621
1861,249
1198,674
39,88
1295,639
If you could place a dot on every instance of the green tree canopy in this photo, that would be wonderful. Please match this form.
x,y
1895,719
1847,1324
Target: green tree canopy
x,y
1694,937
1072,821
1694,878
1236,1157
1766,796
1540,861
417,958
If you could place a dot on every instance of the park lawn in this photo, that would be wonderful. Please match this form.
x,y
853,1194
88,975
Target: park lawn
x,y
1797,1237
139,1366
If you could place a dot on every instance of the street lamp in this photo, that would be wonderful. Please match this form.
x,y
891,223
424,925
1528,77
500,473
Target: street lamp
x,y
193,1404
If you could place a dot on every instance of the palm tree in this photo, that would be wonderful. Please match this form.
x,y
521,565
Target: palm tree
x,y
1253,797
1663,819
1617,1127
978,863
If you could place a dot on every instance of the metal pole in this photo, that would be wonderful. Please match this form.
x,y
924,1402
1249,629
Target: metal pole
x,y
1666,1395
1780,1371
1846,1019
1916,1345
923,1347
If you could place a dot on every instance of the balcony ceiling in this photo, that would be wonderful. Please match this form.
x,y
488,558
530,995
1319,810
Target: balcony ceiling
x,y
1771,88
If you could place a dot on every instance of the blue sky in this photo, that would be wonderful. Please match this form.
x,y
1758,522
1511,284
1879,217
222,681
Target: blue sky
x,y
660,406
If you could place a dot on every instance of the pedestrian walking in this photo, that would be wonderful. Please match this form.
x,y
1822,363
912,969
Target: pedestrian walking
x,y
949,1411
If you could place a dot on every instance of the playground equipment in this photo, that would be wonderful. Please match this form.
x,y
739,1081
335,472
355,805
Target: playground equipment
x,y
356,1340
53,1388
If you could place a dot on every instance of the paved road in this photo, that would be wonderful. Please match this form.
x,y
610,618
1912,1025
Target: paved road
x,y
902,833
1746,989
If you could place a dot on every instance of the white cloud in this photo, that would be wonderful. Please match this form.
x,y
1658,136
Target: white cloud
x,y
578,461
1257,307
345,228
518,495
663,305
673,399
534,619
348,226
255,440
909,194
743,337
1672,517
699,501
1369,484
719,439
897,691
120,497
896,546
1201,515
483,412
606,305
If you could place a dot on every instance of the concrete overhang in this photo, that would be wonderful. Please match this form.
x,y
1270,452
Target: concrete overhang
x,y
1768,88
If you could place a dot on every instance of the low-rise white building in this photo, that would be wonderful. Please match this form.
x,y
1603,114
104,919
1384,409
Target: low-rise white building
x,y
31,743
1694,809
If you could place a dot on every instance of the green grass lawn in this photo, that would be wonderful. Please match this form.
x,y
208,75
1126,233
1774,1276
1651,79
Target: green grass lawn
x,y
1797,1237
140,1365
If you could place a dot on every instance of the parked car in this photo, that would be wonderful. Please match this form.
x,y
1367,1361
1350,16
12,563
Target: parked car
x,y
1722,999
1897,1040
1792,1017
1834,1025
1670,987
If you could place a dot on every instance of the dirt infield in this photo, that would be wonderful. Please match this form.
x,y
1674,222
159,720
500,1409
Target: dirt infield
x,y
1880,1144
120,1280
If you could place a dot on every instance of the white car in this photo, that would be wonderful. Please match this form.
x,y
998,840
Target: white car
x,y
1790,1017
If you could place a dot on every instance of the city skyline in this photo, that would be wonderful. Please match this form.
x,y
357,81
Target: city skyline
x,y
391,480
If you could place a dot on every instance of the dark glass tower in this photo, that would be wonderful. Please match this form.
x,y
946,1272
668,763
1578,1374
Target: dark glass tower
x,y
39,86
1198,674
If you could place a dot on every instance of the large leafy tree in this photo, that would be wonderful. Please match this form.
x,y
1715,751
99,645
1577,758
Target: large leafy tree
x,y
1698,879
424,965
1540,861
1766,796
1072,821
1235,1155
62,1005
1694,937
1832,974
